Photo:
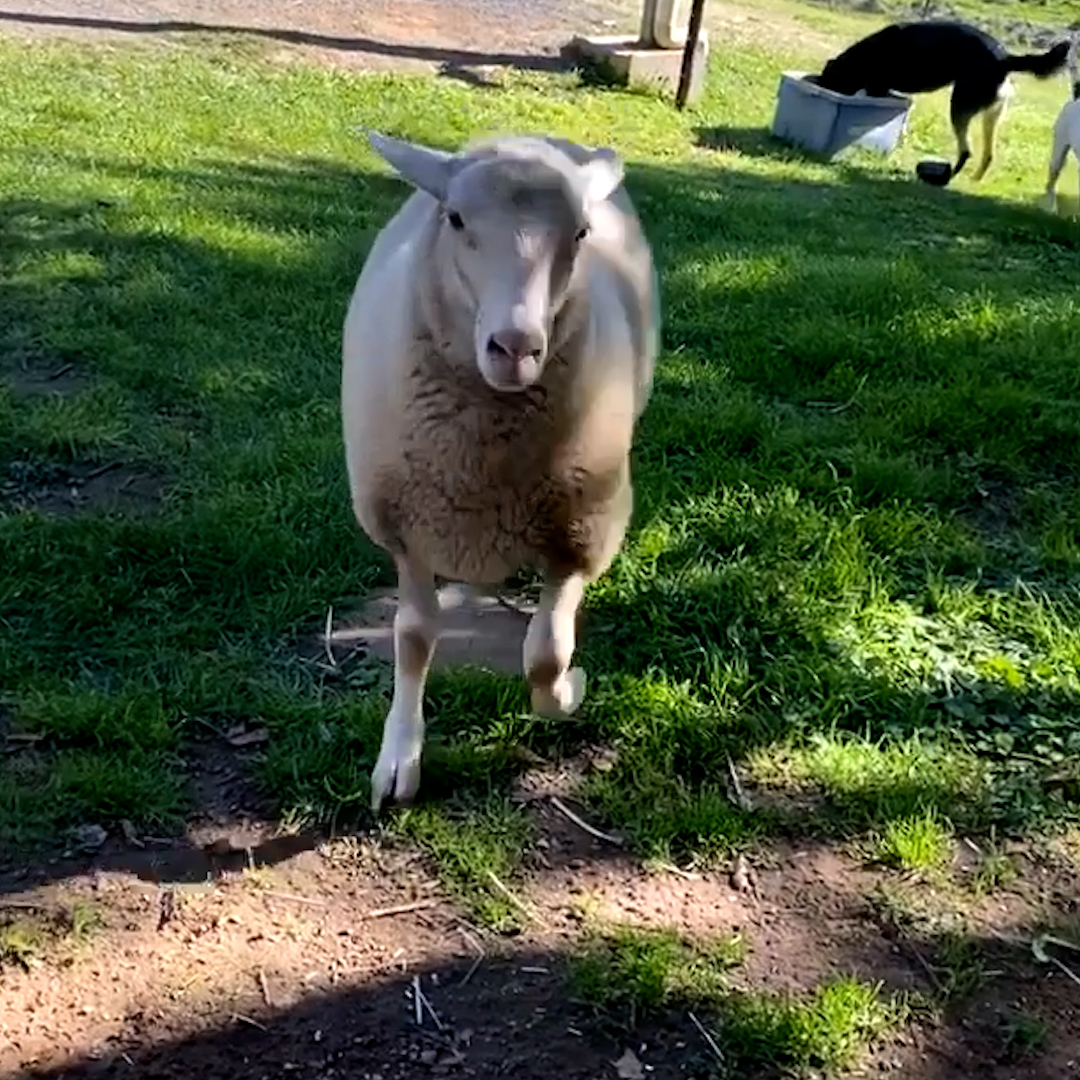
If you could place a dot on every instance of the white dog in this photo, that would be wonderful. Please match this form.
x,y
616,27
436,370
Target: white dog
x,y
1066,129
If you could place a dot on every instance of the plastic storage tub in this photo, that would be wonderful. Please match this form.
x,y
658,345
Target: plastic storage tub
x,y
826,122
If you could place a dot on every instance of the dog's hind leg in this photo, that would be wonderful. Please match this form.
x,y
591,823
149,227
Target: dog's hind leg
x,y
961,121
1058,157
991,118
971,96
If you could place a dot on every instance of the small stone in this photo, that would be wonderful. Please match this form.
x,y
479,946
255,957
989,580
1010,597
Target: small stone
x,y
429,1057
89,837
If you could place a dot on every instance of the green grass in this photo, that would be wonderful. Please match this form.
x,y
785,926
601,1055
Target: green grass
x,y
625,972
478,850
914,843
30,938
854,568
1025,1037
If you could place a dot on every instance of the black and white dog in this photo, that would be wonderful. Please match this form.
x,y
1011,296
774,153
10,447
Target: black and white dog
x,y
1066,129
920,57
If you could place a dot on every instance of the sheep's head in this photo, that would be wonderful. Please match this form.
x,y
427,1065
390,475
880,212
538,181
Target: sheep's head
x,y
514,217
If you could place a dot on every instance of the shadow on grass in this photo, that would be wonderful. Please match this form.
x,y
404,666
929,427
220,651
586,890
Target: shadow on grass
x,y
777,293
751,141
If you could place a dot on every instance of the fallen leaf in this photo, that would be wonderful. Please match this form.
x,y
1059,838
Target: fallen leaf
x,y
248,738
628,1067
742,876
130,835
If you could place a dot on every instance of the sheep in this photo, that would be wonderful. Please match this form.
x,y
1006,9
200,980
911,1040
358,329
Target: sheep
x,y
497,353
1066,135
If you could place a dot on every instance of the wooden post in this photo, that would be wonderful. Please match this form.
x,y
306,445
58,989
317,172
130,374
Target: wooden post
x,y
693,32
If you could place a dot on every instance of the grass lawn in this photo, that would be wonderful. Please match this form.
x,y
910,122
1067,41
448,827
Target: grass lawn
x,y
854,572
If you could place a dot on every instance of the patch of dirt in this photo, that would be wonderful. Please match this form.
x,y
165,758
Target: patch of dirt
x,y
373,34
33,376
476,629
286,955
468,39
63,490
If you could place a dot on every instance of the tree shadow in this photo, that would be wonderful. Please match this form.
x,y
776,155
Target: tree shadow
x,y
750,141
514,1014
730,407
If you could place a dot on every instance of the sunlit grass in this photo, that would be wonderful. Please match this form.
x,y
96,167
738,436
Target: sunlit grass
x,y
626,972
919,843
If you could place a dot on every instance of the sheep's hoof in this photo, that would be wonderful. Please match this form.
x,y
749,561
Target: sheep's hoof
x,y
562,699
394,778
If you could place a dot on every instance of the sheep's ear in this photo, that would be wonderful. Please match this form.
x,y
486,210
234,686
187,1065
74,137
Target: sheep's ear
x,y
601,174
423,166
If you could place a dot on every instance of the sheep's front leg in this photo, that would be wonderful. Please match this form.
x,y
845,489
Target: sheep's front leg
x,y
557,688
416,630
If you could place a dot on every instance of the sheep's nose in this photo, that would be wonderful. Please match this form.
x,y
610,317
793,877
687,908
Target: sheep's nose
x,y
517,345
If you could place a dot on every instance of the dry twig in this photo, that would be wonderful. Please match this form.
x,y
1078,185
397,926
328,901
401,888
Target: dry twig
x,y
401,909
584,825
247,1020
418,1008
741,801
313,901
707,1037
520,904
418,990
327,631
265,987
925,965
481,956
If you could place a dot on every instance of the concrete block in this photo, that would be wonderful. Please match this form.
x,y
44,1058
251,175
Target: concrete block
x,y
631,63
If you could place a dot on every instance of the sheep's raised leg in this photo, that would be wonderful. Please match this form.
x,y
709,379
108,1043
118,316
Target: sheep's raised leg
x,y
416,631
557,688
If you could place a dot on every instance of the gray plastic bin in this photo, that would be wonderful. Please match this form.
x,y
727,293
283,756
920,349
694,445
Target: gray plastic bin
x,y
826,122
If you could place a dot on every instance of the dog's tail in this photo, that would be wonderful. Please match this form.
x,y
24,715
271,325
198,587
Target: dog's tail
x,y
1041,65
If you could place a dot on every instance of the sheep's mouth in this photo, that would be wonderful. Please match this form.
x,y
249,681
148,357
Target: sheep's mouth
x,y
508,372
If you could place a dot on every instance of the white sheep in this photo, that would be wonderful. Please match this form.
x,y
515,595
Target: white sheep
x,y
1066,136
497,353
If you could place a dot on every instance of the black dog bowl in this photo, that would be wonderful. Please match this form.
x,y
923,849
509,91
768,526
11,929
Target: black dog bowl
x,y
938,173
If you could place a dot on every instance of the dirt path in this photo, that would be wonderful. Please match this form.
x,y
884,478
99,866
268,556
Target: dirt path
x,y
452,36
402,34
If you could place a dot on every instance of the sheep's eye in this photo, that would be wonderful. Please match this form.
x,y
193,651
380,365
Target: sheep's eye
x,y
581,234
455,221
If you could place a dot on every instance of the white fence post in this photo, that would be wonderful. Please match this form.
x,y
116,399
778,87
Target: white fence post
x,y
658,25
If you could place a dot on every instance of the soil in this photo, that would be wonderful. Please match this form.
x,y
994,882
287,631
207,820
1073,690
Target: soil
x,y
62,490
370,34
246,951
